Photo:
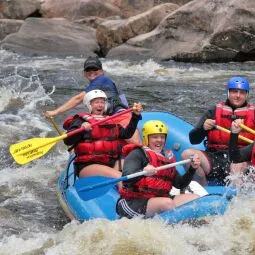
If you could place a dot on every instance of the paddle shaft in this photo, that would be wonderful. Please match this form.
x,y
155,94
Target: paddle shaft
x,y
228,131
76,131
131,176
53,122
247,129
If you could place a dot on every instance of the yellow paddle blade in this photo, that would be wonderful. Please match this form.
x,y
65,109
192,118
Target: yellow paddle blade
x,y
34,148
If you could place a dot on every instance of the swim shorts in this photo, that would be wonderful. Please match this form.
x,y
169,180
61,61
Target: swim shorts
x,y
132,207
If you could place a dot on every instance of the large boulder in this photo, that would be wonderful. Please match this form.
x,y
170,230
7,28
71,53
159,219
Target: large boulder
x,y
9,26
56,37
136,48
128,52
112,33
80,9
77,9
202,31
129,8
17,9
209,30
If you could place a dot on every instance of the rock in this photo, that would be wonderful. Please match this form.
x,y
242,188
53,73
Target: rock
x,y
91,21
57,37
129,8
129,52
201,31
135,48
17,9
78,9
208,31
112,33
9,26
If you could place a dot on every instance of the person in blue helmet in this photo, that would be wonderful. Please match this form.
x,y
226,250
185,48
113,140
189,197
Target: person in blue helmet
x,y
215,165
94,73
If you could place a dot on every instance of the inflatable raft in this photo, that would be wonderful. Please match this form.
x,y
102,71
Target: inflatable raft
x,y
103,205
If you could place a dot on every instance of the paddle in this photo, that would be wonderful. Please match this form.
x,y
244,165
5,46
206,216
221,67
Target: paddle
x,y
53,122
96,186
228,131
247,129
26,151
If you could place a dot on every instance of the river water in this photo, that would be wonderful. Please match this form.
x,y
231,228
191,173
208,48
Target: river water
x,y
31,219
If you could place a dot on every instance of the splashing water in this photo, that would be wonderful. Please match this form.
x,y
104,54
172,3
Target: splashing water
x,y
31,219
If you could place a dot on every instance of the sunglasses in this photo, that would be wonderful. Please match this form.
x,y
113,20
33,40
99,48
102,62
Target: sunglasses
x,y
89,69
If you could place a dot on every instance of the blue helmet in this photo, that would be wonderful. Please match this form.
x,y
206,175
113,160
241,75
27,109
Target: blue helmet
x,y
238,83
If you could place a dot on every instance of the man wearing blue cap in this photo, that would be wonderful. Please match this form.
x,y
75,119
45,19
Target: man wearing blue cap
x,y
94,72
215,164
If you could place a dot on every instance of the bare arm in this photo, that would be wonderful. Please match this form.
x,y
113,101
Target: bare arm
x,y
67,106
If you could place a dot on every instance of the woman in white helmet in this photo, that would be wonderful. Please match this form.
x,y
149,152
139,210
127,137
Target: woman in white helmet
x,y
149,195
98,149
94,73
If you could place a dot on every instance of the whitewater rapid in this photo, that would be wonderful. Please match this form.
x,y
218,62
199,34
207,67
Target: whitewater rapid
x,y
31,219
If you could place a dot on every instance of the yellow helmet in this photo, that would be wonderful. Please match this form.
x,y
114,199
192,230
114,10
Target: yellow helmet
x,y
153,127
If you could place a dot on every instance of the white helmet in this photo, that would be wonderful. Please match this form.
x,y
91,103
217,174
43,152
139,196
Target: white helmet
x,y
92,95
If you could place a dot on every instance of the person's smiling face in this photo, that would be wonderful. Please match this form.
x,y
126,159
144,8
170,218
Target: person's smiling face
x,y
157,142
92,73
237,97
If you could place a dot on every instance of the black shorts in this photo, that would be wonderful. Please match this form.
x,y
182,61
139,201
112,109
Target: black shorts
x,y
79,165
220,167
130,208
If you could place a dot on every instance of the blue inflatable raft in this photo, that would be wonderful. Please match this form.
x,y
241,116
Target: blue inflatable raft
x,y
103,206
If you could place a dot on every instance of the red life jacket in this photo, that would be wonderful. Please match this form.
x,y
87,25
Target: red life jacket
x,y
253,155
157,185
101,146
224,116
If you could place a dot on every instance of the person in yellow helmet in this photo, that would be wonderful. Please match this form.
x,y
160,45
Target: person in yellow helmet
x,y
149,195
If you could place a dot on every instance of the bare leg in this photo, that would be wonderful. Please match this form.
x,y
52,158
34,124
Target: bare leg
x,y
162,204
236,173
119,166
203,170
158,205
101,170
184,198
238,167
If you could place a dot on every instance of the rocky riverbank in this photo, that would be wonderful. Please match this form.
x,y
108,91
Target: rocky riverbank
x,y
188,31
